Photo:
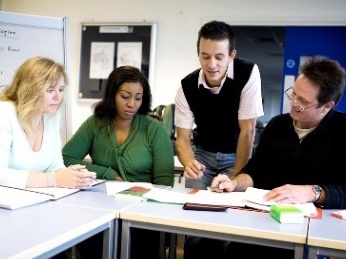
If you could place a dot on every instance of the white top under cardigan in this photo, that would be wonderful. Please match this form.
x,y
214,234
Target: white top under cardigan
x,y
17,158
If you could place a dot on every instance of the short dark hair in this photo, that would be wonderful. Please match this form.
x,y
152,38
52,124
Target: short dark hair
x,y
217,30
106,108
328,75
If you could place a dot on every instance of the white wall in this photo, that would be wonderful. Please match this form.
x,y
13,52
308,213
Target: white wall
x,y
178,24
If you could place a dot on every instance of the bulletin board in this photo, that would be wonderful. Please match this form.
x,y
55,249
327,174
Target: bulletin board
x,y
106,46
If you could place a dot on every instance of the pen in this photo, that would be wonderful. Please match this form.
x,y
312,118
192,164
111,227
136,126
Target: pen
x,y
215,189
76,169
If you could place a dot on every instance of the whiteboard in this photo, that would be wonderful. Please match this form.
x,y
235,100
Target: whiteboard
x,y
23,36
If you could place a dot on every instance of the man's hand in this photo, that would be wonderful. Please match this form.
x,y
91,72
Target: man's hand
x,y
289,193
222,183
194,169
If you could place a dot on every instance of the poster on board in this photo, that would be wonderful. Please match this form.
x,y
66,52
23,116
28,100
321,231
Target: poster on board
x,y
105,46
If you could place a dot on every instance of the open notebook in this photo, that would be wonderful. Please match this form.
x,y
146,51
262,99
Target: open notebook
x,y
251,198
13,198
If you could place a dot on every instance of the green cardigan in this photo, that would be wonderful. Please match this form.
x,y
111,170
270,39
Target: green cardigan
x,y
145,156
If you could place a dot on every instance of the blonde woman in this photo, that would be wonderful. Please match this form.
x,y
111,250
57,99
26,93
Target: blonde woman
x,y
30,146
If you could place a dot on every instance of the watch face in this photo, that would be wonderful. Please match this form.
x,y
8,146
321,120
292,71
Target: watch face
x,y
317,189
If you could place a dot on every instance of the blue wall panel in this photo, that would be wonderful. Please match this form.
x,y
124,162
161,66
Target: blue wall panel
x,y
328,41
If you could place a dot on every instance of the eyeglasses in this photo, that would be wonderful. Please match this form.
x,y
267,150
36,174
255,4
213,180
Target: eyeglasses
x,y
294,102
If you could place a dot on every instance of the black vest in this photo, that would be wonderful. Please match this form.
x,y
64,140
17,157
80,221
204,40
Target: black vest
x,y
216,115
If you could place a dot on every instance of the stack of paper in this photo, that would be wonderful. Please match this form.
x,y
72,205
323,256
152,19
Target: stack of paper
x,y
56,193
252,197
13,198
167,196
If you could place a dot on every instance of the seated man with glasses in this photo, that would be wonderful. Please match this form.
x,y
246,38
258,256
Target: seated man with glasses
x,y
297,102
300,153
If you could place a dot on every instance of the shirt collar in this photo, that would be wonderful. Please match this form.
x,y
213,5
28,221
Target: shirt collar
x,y
215,90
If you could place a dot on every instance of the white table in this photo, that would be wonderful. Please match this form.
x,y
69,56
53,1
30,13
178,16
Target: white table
x,y
327,236
235,225
97,198
46,229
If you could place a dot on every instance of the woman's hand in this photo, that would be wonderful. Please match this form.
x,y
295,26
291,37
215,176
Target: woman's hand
x,y
75,176
118,178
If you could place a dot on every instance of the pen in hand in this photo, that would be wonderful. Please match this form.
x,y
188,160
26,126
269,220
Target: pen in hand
x,y
201,169
220,183
215,189
77,167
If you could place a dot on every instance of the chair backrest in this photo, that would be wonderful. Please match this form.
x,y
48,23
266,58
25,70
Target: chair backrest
x,y
165,113
157,112
168,119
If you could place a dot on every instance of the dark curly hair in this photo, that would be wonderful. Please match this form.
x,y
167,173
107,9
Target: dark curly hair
x,y
106,108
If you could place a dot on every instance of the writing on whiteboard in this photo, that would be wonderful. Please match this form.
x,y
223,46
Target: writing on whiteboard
x,y
7,33
9,48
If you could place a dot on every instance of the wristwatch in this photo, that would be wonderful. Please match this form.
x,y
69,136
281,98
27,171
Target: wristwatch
x,y
317,190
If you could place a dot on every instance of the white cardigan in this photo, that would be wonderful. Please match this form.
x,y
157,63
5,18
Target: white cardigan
x,y
17,158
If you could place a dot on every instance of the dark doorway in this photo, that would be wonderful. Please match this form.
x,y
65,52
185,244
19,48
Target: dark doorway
x,y
264,45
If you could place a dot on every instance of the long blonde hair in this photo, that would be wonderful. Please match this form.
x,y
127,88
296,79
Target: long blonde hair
x,y
31,80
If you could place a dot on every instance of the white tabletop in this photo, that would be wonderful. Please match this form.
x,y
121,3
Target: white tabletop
x,y
43,230
327,236
97,198
249,226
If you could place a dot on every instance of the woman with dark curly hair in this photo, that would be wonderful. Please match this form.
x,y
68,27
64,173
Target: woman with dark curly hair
x,y
125,144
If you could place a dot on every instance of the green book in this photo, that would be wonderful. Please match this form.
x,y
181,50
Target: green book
x,y
135,192
286,214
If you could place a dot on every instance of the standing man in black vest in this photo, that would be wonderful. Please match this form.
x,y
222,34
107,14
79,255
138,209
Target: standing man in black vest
x,y
223,99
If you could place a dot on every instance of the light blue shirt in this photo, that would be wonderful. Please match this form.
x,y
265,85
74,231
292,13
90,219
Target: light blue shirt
x,y
17,158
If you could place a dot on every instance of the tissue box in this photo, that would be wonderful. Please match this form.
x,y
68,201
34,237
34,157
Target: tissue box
x,y
286,214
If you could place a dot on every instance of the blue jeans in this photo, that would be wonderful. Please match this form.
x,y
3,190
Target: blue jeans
x,y
215,163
